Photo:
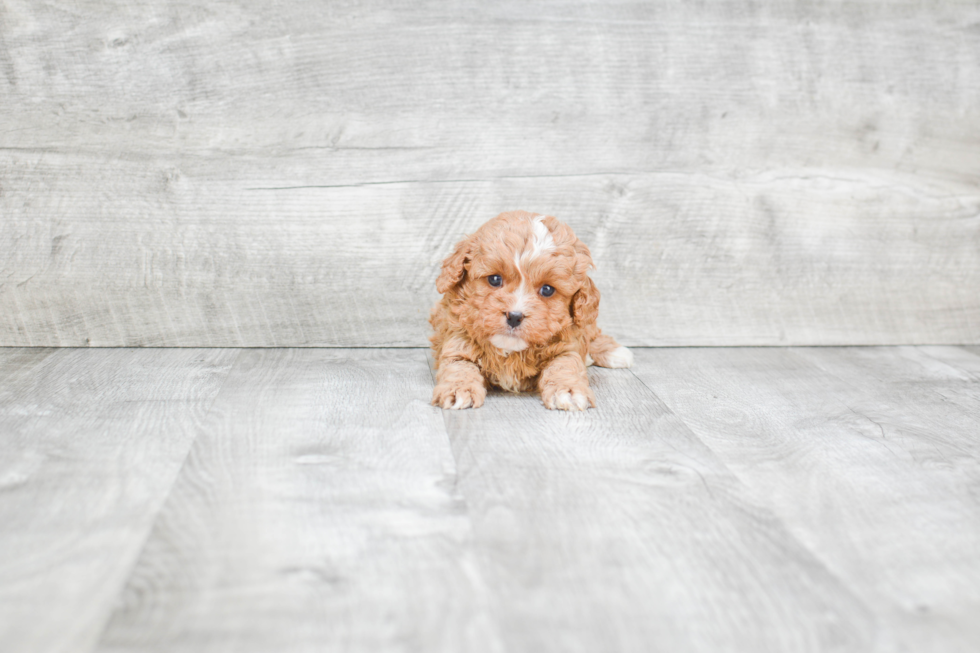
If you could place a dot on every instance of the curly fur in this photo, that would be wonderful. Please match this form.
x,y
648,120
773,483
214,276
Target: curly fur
x,y
473,345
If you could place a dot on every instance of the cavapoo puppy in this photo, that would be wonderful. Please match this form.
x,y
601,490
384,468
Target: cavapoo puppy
x,y
519,312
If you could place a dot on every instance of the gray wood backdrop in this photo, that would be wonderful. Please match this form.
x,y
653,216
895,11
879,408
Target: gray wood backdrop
x,y
268,173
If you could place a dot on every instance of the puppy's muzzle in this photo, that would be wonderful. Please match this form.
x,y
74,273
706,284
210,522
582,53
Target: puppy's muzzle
x,y
514,319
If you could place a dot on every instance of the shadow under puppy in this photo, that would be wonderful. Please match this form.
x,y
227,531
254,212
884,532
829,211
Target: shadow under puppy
x,y
519,312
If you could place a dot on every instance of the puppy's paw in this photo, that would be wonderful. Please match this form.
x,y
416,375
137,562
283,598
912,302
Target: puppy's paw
x,y
562,398
456,396
619,357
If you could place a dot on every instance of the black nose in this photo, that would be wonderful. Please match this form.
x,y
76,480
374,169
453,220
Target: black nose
x,y
514,319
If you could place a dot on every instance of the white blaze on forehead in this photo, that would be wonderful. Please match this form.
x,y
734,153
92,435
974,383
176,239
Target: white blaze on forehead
x,y
543,242
521,301
521,296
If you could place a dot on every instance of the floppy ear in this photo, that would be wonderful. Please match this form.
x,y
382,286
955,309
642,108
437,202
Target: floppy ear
x,y
585,304
453,268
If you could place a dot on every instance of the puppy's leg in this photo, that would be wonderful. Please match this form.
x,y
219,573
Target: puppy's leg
x,y
564,384
606,352
459,384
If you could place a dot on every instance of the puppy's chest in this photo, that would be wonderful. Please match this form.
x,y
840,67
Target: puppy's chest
x,y
513,373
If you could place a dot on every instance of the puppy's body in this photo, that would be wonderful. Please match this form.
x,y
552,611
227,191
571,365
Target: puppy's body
x,y
518,312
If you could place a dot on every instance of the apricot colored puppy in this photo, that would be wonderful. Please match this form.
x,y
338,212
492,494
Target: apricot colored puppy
x,y
519,312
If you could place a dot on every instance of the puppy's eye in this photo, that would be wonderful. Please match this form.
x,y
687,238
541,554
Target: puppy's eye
x,y
547,291
495,280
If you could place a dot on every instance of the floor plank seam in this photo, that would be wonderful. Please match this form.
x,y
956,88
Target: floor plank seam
x,y
826,565
800,351
479,564
97,641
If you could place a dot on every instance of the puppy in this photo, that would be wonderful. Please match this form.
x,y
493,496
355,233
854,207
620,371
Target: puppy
x,y
519,312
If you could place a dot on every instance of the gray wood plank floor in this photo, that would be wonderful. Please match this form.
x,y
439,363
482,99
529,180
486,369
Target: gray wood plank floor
x,y
748,499
863,459
90,443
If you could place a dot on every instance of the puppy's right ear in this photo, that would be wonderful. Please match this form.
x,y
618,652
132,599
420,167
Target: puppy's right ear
x,y
454,267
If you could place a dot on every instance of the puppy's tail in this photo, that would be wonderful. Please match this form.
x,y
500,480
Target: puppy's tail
x,y
606,352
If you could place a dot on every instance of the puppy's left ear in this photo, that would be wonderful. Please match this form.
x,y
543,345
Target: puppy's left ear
x,y
585,304
454,267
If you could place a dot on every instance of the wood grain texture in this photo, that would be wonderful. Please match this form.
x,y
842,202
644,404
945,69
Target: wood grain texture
x,y
317,511
868,455
937,383
90,443
806,499
272,173
619,530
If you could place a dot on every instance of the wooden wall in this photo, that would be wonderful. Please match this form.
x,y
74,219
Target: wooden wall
x,y
269,173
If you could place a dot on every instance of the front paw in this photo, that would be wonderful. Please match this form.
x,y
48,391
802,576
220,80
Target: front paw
x,y
456,396
558,397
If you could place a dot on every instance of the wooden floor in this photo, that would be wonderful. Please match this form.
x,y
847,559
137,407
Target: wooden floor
x,y
748,499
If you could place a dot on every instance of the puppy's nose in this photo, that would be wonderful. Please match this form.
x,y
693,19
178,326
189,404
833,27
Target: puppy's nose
x,y
514,319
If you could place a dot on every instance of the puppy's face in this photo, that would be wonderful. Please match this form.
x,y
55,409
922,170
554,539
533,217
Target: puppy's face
x,y
519,280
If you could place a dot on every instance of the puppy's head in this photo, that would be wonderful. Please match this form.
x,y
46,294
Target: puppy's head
x,y
519,280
